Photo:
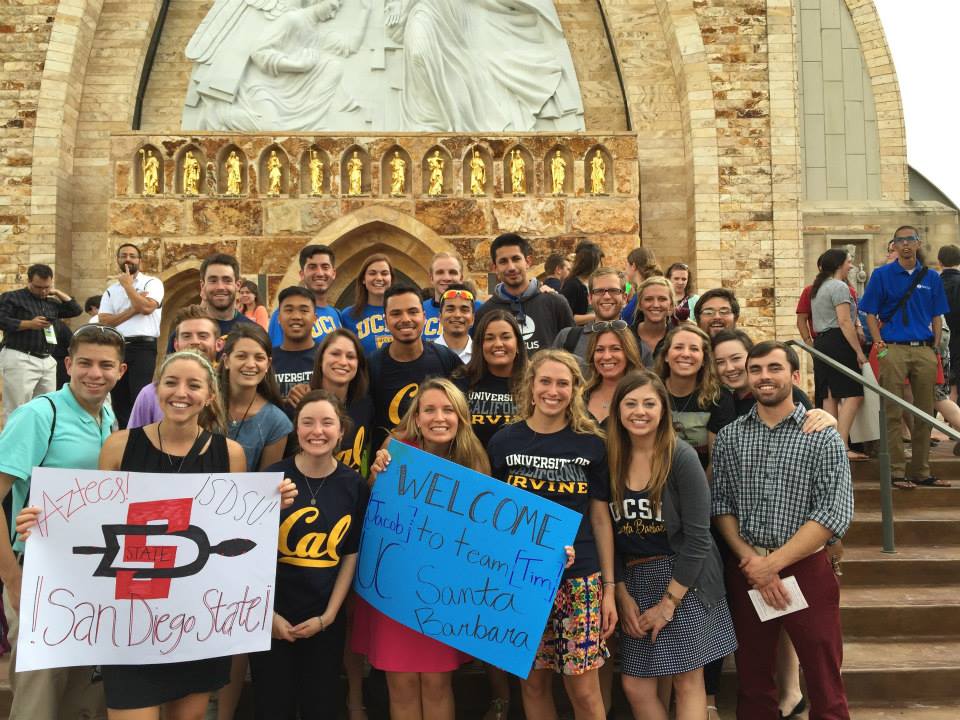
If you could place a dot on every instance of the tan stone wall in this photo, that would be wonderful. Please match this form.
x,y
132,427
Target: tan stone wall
x,y
581,20
24,38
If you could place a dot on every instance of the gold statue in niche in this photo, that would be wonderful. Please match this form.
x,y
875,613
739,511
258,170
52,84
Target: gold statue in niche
x,y
478,174
398,174
435,164
355,175
518,173
191,174
558,172
274,174
598,175
234,184
150,166
316,173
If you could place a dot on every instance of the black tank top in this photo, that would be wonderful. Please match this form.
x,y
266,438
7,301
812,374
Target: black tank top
x,y
140,455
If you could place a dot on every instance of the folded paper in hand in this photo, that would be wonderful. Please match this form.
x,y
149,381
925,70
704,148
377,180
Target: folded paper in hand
x,y
797,601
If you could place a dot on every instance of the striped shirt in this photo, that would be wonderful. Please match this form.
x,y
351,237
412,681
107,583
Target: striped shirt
x,y
773,480
22,304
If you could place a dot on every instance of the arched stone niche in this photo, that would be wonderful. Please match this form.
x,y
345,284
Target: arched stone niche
x,y
486,157
608,174
355,152
386,172
263,171
181,161
437,152
142,158
306,174
550,167
529,176
223,156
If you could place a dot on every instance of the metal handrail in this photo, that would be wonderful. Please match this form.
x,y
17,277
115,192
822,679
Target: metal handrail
x,y
883,455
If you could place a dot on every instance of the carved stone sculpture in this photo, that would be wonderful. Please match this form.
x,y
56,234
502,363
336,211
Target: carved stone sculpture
x,y
150,164
355,175
316,173
274,174
234,183
433,66
191,174
398,174
478,174
598,174
558,173
435,164
518,173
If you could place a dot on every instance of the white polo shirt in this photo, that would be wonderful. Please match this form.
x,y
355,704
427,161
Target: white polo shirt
x,y
115,301
464,354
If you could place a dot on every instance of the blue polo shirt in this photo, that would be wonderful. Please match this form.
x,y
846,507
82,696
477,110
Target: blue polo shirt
x,y
328,320
431,313
76,442
370,327
887,285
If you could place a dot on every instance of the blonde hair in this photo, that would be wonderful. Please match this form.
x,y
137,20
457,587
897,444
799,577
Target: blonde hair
x,y
465,449
656,280
630,349
619,445
444,255
577,415
211,417
708,383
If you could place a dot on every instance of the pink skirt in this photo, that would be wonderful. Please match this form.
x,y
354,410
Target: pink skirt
x,y
392,647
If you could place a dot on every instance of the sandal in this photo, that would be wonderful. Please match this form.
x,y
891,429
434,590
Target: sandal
x,y
712,712
902,484
855,456
931,481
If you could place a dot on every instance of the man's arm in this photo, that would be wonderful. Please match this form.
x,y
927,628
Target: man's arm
x,y
68,307
937,331
874,324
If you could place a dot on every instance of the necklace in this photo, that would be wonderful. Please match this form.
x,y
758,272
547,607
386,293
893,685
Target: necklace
x,y
244,418
170,459
313,493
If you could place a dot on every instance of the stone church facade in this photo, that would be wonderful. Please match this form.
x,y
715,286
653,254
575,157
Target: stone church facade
x,y
742,136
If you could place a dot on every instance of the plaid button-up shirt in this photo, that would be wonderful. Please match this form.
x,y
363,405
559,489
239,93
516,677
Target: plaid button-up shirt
x,y
773,480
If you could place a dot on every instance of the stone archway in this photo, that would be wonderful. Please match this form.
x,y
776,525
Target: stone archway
x,y
408,243
181,287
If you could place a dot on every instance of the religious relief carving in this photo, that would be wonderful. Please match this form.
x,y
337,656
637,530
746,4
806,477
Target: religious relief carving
x,y
518,173
598,174
355,175
558,173
410,65
274,174
150,168
478,175
316,174
191,174
436,165
398,174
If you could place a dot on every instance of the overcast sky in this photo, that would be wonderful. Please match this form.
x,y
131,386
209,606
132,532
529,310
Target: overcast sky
x,y
922,35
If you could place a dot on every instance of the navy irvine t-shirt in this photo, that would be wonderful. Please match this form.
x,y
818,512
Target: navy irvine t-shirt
x,y
565,467
314,539
491,406
394,384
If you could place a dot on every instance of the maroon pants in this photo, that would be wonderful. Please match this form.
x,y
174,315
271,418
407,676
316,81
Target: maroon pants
x,y
815,633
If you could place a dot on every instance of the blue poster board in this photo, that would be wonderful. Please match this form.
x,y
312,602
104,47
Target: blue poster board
x,y
470,561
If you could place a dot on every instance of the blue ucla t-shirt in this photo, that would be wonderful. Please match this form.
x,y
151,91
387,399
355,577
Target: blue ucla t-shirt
x,y
431,313
328,320
370,327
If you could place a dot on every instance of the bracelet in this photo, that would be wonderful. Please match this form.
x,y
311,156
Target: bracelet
x,y
667,595
322,626
608,582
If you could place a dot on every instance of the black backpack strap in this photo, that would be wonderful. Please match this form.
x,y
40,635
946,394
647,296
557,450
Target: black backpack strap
x,y
573,337
902,304
53,426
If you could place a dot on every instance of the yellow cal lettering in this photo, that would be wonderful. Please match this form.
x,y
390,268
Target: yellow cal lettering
x,y
313,549
393,412
351,456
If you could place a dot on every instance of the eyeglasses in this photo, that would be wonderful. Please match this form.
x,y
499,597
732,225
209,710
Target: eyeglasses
x,y
457,295
604,325
612,292
91,329
905,239
722,312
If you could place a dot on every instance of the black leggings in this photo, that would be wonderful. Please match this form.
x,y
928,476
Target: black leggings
x,y
300,679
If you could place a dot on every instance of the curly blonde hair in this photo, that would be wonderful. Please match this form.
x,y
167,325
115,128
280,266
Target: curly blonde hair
x,y
708,383
212,417
577,415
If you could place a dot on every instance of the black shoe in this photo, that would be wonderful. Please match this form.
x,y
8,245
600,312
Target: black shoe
x,y
797,709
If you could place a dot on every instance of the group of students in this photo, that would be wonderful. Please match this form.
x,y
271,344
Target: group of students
x,y
617,419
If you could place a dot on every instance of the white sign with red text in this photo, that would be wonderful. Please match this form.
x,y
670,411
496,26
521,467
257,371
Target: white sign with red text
x,y
141,568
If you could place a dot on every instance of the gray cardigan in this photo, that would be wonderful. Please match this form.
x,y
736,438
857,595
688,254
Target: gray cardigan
x,y
685,509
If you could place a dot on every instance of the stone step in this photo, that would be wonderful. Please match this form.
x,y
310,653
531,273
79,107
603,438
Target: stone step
x,y
912,526
885,670
911,565
905,711
867,497
904,612
942,465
